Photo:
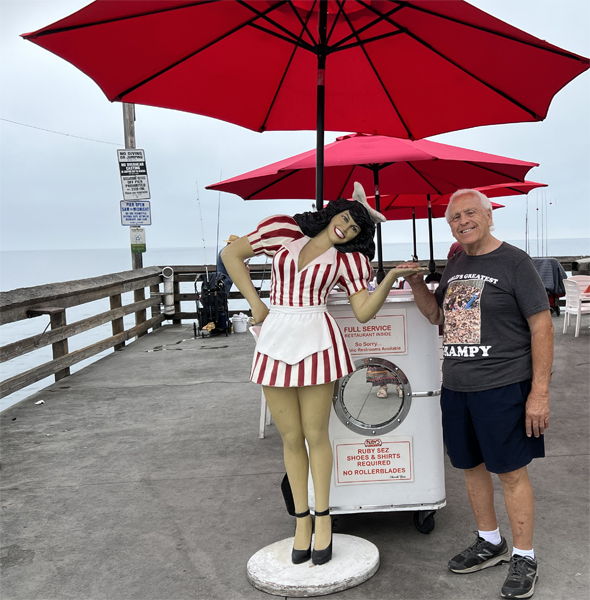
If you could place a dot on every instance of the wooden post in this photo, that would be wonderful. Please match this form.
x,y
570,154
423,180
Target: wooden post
x,y
140,315
58,319
156,310
117,324
129,131
176,302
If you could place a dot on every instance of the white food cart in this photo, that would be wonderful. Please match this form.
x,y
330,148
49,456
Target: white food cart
x,y
388,452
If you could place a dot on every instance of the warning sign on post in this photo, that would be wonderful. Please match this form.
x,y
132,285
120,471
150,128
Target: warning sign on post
x,y
136,214
373,460
133,170
385,334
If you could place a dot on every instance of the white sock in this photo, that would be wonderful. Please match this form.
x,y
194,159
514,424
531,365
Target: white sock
x,y
529,553
493,537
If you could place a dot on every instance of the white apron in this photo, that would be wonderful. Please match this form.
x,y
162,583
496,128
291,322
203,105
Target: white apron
x,y
292,333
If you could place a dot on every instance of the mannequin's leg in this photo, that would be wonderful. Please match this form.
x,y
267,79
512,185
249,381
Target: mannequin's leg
x,y
315,403
284,408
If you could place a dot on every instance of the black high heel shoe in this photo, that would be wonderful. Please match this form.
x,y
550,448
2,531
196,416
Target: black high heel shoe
x,y
320,557
301,556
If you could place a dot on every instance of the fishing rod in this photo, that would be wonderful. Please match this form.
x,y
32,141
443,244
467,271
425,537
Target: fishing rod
x,y
526,227
218,216
202,230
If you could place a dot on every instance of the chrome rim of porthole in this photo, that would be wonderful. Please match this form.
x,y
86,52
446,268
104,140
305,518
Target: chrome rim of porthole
x,y
360,409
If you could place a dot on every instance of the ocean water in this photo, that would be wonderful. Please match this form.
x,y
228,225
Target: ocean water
x,y
20,269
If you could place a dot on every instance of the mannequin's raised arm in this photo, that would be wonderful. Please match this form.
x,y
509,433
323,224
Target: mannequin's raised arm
x,y
233,257
365,306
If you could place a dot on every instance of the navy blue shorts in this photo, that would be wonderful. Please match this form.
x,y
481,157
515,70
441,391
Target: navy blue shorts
x,y
489,427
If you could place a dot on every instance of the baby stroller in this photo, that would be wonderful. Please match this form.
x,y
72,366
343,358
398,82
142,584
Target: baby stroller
x,y
212,303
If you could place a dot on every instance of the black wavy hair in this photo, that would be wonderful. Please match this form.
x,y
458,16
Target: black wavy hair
x,y
313,222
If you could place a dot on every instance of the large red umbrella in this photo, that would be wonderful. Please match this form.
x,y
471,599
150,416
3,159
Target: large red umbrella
x,y
422,206
405,213
404,68
392,201
386,164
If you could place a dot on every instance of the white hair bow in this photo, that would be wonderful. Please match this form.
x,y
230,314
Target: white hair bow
x,y
360,196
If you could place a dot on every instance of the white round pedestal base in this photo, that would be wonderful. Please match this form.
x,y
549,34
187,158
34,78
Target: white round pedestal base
x,y
354,560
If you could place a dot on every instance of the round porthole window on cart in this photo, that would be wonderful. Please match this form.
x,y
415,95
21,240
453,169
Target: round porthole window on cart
x,y
375,398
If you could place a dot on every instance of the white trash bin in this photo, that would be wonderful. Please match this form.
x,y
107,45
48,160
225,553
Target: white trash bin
x,y
240,323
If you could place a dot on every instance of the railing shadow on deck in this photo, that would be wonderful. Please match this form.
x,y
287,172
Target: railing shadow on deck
x,y
54,299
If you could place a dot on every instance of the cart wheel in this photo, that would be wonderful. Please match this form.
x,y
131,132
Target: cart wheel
x,y
424,520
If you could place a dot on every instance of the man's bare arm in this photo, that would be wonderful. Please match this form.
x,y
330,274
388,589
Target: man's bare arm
x,y
425,300
537,405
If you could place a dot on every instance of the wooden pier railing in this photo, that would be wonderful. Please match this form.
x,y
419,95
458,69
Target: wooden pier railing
x,y
54,299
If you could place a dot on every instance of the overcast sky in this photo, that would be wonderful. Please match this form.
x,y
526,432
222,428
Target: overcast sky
x,y
64,192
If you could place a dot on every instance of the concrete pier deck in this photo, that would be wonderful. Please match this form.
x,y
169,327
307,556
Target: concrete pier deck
x,y
142,477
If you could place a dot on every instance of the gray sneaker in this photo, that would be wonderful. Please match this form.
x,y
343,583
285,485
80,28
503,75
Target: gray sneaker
x,y
480,555
522,576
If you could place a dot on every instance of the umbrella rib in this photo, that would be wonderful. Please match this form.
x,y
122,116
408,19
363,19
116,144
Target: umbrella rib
x,y
274,99
385,90
513,38
457,65
121,95
423,177
350,173
298,17
272,183
365,41
293,39
380,17
490,170
289,40
391,203
116,19
329,35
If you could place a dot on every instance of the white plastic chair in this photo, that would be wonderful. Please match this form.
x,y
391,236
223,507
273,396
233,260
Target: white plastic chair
x,y
573,304
581,280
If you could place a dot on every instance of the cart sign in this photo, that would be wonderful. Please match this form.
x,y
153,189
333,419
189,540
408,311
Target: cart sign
x,y
134,179
385,334
136,213
373,460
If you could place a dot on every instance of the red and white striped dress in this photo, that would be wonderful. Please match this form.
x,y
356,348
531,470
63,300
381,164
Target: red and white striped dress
x,y
305,293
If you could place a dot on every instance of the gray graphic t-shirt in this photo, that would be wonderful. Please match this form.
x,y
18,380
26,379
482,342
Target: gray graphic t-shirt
x,y
486,301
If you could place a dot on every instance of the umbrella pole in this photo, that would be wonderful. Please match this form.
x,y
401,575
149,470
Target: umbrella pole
x,y
320,108
431,263
380,271
415,255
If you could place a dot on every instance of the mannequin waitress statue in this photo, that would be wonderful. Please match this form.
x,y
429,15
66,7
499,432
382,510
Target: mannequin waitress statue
x,y
300,351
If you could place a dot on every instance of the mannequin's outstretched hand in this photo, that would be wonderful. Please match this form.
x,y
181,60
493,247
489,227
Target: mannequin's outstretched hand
x,y
413,272
408,271
259,312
